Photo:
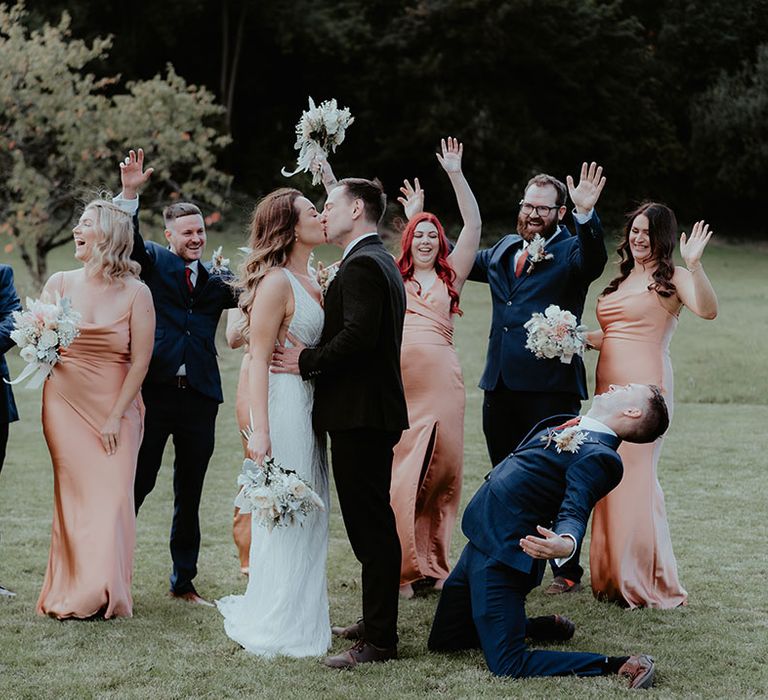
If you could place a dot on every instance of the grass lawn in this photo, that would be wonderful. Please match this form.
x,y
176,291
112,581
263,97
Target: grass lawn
x,y
712,471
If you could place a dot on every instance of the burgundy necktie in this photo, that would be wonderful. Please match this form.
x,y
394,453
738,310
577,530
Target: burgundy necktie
x,y
568,423
188,273
521,263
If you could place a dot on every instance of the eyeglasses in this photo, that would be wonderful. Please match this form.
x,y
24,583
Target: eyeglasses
x,y
541,210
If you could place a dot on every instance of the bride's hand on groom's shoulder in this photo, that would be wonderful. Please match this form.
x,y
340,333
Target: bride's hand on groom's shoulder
x,y
285,360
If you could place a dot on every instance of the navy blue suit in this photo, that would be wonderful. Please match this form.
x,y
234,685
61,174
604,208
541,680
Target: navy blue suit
x,y
512,369
186,410
9,302
483,600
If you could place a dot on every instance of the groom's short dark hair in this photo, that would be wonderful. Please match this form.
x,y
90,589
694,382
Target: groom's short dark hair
x,y
655,419
371,192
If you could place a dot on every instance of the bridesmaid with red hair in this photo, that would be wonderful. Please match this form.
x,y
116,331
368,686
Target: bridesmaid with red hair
x,y
428,460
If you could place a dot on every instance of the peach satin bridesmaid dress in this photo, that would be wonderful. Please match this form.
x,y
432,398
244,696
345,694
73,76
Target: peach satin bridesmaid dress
x,y
631,559
428,460
90,564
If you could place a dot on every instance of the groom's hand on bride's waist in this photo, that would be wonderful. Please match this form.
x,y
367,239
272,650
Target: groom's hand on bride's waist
x,y
285,360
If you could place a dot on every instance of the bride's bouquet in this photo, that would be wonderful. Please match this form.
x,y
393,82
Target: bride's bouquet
x,y
555,333
319,131
41,332
275,496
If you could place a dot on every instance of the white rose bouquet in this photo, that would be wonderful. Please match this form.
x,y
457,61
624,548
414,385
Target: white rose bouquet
x,y
555,333
319,131
41,332
275,496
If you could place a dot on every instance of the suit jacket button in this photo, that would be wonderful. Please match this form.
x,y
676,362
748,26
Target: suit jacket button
x,y
509,303
505,329
188,333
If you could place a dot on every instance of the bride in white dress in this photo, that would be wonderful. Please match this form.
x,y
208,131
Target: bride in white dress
x,y
285,607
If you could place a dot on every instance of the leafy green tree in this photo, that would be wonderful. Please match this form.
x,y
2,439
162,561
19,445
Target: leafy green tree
x,y
730,135
63,131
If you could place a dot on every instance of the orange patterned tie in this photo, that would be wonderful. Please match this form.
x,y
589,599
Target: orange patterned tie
x,y
568,423
521,263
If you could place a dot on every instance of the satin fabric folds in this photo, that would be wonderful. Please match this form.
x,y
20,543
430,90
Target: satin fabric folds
x,y
631,559
94,526
428,460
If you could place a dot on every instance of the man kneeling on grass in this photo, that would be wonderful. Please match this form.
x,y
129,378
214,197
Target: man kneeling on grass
x,y
555,477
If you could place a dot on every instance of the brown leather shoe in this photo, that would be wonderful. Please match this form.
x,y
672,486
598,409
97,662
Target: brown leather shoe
x,y
360,653
562,585
353,632
191,597
639,670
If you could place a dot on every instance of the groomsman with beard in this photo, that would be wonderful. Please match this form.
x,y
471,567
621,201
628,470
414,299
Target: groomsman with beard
x,y
521,390
182,389
9,302
359,402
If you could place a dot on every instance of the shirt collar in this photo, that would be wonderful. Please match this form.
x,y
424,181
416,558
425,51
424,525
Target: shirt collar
x,y
354,242
595,426
192,265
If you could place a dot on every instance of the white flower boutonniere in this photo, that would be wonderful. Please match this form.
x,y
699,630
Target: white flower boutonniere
x,y
325,275
537,253
218,262
566,440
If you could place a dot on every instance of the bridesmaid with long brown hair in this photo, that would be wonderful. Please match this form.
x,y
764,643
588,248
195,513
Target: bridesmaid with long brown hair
x,y
631,559
93,421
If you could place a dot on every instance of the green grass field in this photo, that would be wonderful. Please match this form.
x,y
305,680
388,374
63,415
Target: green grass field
x,y
712,471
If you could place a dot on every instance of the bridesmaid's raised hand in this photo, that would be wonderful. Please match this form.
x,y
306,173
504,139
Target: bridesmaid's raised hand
x,y
692,247
412,199
452,150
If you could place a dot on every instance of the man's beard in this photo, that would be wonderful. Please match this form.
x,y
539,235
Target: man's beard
x,y
548,230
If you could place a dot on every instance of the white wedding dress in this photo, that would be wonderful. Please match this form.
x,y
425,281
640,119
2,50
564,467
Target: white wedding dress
x,y
285,606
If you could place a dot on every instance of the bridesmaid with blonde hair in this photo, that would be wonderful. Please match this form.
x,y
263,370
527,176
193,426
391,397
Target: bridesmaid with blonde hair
x,y
93,421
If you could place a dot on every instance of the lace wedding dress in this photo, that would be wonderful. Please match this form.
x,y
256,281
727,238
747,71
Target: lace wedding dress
x,y
285,606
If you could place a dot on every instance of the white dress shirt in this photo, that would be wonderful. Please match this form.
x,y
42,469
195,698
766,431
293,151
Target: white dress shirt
x,y
354,242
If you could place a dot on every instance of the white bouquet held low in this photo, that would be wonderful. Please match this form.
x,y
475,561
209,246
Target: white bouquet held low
x,y
42,331
319,131
275,496
555,333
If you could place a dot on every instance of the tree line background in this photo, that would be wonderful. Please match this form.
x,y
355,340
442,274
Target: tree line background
x,y
671,96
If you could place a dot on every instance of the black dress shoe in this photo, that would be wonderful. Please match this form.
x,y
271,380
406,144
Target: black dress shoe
x,y
550,628
360,653
354,631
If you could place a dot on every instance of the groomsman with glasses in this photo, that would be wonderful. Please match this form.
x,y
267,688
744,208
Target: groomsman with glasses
x,y
521,390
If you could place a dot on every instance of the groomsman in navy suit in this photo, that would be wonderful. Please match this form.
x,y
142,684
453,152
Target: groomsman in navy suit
x,y
182,389
9,302
533,506
521,390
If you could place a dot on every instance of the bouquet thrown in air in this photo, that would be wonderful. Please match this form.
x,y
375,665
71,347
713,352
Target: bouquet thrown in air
x,y
319,131
41,332
275,496
555,333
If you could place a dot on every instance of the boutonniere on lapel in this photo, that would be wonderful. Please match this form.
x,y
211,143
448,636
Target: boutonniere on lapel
x,y
566,440
218,262
325,275
537,253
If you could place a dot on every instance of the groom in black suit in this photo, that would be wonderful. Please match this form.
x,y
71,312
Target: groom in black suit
x,y
182,389
359,401
548,486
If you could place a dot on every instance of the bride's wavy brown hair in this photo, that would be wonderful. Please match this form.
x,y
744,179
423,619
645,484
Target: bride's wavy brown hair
x,y
662,234
111,254
272,235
